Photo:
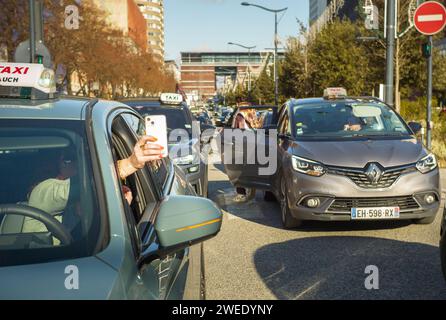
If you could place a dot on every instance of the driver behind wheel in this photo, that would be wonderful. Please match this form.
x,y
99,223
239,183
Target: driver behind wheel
x,y
51,195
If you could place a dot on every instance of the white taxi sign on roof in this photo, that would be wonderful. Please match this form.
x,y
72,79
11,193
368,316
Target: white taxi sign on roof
x,y
30,75
171,98
333,93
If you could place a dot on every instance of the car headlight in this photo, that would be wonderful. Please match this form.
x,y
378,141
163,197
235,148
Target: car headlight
x,y
309,167
183,161
427,164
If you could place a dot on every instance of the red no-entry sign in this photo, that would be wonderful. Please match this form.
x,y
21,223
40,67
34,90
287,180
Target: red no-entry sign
x,y
430,18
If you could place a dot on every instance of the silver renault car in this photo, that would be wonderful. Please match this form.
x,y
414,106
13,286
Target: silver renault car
x,y
344,158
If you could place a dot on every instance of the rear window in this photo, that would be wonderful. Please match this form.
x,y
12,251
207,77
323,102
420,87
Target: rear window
x,y
45,168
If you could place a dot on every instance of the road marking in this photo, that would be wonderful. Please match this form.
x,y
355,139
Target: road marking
x,y
311,288
430,17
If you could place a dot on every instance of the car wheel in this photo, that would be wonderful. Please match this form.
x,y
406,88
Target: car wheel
x,y
288,220
268,196
428,220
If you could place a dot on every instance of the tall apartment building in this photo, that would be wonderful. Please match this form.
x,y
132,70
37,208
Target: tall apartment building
x,y
124,15
324,11
153,12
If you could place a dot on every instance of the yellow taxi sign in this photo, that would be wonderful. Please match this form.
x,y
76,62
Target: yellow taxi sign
x,y
171,98
27,75
335,93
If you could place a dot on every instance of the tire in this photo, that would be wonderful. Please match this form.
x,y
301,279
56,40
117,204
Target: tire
x,y
428,220
268,196
288,221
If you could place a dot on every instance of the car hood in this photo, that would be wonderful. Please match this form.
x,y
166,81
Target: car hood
x,y
46,281
388,153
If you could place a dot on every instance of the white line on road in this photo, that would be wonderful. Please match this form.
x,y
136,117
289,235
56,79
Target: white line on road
x,y
430,17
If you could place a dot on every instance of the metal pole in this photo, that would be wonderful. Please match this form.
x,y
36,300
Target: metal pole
x,y
429,97
390,55
32,34
276,80
38,13
249,72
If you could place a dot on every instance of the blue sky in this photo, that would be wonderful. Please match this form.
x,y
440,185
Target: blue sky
x,y
192,25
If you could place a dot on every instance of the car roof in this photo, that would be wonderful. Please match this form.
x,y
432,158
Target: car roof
x,y
64,108
346,99
151,103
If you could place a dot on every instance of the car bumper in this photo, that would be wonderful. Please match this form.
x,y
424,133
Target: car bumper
x,y
338,194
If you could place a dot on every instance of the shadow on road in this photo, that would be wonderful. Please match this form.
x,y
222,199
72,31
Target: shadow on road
x,y
334,268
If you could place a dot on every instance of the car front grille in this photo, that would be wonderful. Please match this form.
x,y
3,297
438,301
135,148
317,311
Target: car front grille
x,y
344,205
359,177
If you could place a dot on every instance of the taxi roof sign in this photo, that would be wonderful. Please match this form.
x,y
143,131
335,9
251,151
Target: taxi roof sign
x,y
27,75
171,98
335,93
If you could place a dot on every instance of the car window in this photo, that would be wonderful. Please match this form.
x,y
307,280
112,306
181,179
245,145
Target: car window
x,y
160,168
285,124
345,120
45,167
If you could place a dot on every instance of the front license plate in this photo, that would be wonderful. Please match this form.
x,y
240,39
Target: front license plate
x,y
375,213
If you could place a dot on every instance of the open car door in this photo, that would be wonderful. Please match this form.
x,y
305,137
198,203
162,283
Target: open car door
x,y
249,147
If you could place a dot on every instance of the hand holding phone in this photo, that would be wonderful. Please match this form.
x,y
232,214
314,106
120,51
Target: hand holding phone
x,y
156,126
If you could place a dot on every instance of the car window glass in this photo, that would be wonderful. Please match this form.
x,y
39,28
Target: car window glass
x,y
346,120
45,166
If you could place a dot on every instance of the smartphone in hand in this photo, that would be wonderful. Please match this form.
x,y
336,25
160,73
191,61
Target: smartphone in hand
x,y
156,126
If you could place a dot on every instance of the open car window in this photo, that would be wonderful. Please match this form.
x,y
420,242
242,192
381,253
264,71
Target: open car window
x,y
45,168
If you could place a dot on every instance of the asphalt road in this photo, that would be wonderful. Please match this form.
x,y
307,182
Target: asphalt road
x,y
254,258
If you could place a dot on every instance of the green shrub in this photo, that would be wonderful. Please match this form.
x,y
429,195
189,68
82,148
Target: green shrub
x,y
416,111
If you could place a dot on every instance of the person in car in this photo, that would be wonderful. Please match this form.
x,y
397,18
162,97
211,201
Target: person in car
x,y
353,123
243,194
51,195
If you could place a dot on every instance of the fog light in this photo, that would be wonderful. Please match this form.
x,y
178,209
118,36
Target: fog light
x,y
193,169
429,198
313,202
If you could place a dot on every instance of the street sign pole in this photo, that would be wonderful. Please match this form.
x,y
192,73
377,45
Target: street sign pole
x,y
429,96
32,33
429,19
390,54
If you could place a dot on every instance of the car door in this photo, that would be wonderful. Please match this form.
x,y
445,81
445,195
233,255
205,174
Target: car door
x,y
249,154
284,139
164,278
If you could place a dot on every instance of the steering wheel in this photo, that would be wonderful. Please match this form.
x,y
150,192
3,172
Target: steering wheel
x,y
56,228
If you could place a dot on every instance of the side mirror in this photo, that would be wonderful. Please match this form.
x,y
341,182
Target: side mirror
x,y
415,127
182,221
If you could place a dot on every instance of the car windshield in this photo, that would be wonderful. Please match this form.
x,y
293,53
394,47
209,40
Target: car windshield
x,y
46,170
346,120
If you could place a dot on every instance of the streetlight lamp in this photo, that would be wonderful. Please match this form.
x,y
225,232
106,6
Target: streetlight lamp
x,y
249,59
276,40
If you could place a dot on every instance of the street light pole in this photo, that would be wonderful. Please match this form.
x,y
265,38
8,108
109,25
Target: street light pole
x,y
390,54
276,40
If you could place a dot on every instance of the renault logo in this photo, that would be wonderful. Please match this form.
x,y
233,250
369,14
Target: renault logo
x,y
373,173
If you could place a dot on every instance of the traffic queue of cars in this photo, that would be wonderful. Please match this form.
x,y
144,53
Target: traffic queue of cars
x,y
65,212
339,158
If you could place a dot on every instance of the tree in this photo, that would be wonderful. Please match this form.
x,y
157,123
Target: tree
x,y
336,60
